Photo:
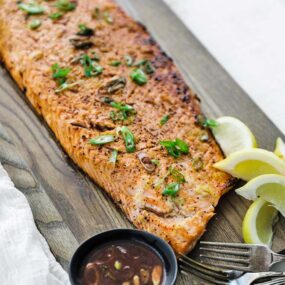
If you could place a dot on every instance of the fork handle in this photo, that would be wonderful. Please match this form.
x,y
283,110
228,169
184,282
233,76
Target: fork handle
x,y
278,257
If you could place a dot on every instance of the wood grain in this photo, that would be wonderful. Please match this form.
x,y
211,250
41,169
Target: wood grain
x,y
63,198
48,220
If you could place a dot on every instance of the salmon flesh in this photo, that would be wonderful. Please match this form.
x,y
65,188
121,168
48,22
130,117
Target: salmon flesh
x,y
93,72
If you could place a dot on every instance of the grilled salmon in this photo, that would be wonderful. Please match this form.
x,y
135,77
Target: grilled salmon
x,y
120,109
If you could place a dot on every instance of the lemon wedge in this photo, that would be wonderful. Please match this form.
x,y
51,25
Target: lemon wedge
x,y
258,222
233,135
270,187
280,148
250,163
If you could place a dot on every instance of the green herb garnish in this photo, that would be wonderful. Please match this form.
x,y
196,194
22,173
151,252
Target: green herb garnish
x,y
204,137
164,120
32,8
100,140
206,123
113,85
140,63
171,189
128,138
34,24
65,86
55,16
65,5
197,163
179,177
115,63
114,156
59,74
91,68
175,148
124,110
138,76
129,60
210,123
85,31
155,161
149,68
108,18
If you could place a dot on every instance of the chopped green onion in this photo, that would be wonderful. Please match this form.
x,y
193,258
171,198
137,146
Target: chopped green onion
x,y
149,68
118,116
171,189
65,86
204,137
91,68
55,16
117,265
65,5
206,123
164,120
129,60
84,30
121,106
108,18
210,123
102,139
197,163
114,156
115,63
124,109
182,146
155,161
140,63
32,8
175,148
34,24
59,74
145,65
129,139
138,76
177,175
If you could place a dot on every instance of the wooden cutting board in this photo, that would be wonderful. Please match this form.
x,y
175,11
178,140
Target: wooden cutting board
x,y
67,206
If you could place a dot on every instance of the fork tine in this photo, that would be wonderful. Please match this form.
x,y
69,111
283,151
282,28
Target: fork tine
x,y
201,270
228,266
222,258
208,269
187,272
224,244
225,251
277,281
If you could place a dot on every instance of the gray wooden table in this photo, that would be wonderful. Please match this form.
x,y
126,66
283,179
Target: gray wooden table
x,y
68,207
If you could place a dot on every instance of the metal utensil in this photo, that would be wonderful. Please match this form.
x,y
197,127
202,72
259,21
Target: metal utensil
x,y
222,277
238,256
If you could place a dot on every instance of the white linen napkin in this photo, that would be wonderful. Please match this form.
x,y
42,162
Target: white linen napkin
x,y
25,258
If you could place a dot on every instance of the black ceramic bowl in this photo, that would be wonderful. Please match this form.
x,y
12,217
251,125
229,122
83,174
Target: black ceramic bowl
x,y
165,252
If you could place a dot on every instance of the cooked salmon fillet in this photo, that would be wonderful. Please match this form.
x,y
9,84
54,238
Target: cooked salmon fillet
x,y
171,192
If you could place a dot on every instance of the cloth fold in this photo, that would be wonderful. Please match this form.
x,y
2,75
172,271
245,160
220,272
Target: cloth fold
x,y
25,258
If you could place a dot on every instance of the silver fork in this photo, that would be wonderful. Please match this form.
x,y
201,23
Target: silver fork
x,y
221,277
239,256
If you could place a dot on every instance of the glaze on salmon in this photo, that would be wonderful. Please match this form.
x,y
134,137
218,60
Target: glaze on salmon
x,y
83,111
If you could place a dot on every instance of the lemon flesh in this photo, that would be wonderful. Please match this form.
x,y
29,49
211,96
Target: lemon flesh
x,y
233,135
280,148
258,222
249,163
269,187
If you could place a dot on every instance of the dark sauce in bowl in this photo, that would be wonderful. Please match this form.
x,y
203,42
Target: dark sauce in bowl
x,y
123,263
